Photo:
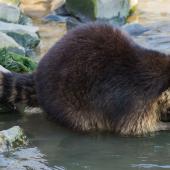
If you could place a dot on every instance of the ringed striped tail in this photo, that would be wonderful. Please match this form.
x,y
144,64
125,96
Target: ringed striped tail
x,y
17,88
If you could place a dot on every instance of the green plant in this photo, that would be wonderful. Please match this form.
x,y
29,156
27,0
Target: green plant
x,y
15,62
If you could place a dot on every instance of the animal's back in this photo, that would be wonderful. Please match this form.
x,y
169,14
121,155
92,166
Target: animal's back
x,y
96,77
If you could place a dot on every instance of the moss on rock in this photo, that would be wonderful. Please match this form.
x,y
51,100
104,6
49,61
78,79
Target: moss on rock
x,y
132,10
86,8
15,62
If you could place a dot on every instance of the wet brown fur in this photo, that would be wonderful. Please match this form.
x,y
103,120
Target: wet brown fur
x,y
97,78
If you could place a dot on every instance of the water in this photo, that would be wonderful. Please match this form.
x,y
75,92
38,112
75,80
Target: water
x,y
54,147
73,151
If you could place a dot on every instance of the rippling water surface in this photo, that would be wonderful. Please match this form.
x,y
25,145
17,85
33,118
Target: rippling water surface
x,y
71,151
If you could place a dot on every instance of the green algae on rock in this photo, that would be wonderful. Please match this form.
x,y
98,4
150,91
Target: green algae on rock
x,y
15,62
86,8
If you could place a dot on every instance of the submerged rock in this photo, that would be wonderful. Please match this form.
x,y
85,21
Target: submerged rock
x,y
9,13
12,138
24,35
24,159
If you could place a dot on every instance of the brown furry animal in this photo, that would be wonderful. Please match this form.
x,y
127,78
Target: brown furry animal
x,y
96,78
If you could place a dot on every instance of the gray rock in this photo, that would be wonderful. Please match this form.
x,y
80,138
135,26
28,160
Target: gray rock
x,y
57,18
135,29
114,8
55,4
11,2
62,11
94,9
25,20
10,44
24,35
72,22
9,13
12,138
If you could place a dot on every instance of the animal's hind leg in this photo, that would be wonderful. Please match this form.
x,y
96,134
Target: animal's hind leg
x,y
163,126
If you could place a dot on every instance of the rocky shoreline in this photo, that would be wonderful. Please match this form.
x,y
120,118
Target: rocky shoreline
x,y
18,37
